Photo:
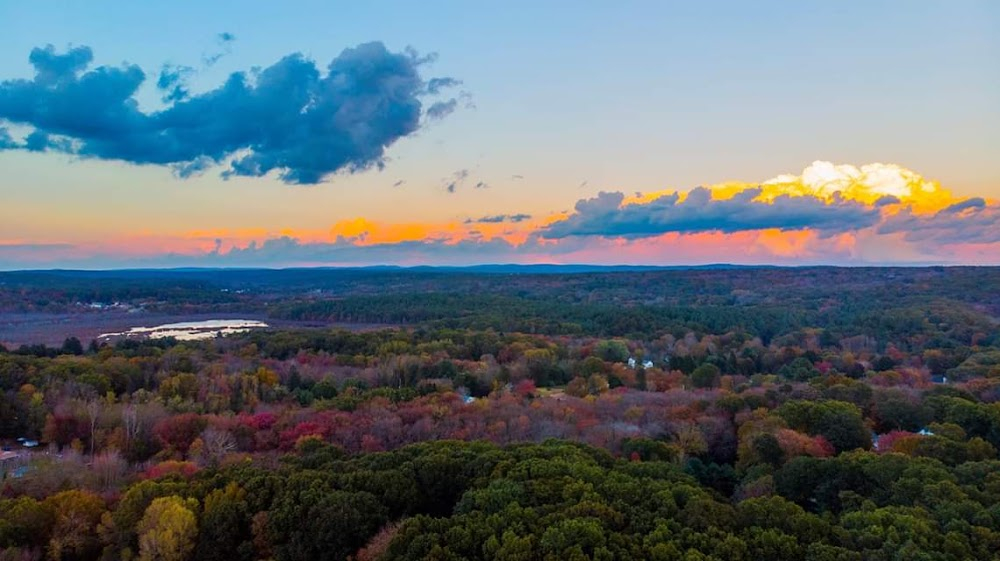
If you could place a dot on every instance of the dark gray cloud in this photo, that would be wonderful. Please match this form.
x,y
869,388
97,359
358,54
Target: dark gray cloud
x,y
886,200
441,109
172,82
38,141
975,203
970,221
224,40
456,180
604,215
210,60
51,67
499,218
435,85
292,117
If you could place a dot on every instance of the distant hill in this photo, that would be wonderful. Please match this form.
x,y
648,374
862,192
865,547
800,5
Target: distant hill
x,y
543,268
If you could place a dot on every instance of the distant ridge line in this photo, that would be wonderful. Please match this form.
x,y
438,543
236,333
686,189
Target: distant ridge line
x,y
483,268
488,268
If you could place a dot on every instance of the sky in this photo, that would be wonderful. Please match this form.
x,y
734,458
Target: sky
x,y
241,134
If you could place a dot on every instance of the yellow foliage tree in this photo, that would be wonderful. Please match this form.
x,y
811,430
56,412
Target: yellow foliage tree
x,y
74,534
168,530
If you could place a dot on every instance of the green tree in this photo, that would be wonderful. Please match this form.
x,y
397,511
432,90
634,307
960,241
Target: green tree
x,y
611,351
225,526
25,522
310,520
841,423
72,346
706,376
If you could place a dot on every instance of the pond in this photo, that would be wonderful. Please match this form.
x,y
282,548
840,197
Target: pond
x,y
189,330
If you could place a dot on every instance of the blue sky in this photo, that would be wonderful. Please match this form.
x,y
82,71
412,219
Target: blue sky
x,y
574,97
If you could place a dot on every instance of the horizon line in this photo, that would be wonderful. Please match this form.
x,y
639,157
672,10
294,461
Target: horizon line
x,y
591,266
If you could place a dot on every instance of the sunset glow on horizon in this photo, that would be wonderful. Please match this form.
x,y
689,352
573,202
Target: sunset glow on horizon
x,y
876,213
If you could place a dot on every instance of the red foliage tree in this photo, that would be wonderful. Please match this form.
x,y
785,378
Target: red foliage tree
x,y
171,467
62,429
179,431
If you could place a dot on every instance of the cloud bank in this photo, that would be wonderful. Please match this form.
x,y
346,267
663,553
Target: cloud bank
x,y
499,218
826,200
971,221
606,215
293,118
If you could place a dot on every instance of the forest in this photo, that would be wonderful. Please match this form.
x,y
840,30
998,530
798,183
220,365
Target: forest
x,y
717,414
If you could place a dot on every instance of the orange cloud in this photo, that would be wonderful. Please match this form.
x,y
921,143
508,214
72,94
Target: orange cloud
x,y
865,184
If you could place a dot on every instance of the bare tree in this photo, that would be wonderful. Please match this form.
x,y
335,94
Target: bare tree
x,y
109,467
93,411
130,422
217,443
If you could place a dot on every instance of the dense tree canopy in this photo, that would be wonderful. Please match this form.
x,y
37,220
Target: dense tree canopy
x,y
814,414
